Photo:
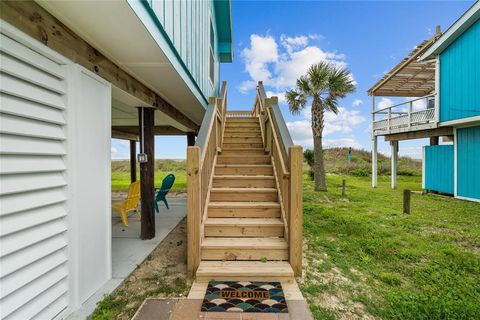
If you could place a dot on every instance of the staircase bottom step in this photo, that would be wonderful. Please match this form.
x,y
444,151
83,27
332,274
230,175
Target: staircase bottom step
x,y
244,270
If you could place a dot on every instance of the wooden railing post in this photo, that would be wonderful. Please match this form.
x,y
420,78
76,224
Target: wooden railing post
x,y
193,208
296,209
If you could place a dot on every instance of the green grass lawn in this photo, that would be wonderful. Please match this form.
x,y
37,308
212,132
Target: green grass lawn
x,y
121,180
365,257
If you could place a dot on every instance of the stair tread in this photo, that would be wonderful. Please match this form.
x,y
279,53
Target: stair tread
x,y
233,176
223,204
249,189
244,222
244,243
226,165
245,268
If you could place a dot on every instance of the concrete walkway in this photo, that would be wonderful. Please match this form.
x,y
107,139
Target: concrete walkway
x,y
128,251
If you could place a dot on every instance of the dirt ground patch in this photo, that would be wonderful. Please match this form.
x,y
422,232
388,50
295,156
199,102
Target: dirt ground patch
x,y
163,274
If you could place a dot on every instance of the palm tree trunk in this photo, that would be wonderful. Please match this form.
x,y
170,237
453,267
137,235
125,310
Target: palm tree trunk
x,y
317,130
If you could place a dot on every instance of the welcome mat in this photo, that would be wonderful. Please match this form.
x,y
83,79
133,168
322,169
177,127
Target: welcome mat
x,y
244,296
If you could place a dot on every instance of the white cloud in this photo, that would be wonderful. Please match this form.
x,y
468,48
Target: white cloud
x,y
384,103
344,122
357,102
279,66
262,51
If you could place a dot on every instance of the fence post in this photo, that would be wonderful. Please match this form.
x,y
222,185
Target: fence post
x,y
406,201
295,211
343,187
193,209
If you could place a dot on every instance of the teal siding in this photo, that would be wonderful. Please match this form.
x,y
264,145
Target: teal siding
x,y
468,162
439,168
186,24
460,76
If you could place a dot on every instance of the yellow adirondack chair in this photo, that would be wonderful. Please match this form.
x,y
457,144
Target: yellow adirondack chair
x,y
129,204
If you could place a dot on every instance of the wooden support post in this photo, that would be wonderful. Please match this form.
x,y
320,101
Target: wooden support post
x,y
147,140
296,210
194,221
190,139
343,188
434,141
374,161
394,162
133,161
374,147
406,201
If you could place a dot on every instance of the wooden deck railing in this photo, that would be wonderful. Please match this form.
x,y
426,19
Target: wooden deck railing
x,y
201,160
287,160
402,117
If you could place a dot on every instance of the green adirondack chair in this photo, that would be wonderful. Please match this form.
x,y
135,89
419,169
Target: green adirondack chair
x,y
161,193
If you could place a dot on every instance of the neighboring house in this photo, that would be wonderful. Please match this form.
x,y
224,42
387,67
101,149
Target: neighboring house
x,y
443,74
73,74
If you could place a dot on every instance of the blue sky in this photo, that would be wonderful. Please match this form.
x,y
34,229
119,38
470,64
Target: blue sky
x,y
276,41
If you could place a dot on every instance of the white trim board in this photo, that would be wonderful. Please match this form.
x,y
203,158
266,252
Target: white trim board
x,y
464,122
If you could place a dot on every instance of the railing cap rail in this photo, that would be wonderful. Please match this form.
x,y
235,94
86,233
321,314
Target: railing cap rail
x,y
406,102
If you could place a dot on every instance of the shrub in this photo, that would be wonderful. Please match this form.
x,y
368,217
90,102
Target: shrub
x,y
308,155
360,172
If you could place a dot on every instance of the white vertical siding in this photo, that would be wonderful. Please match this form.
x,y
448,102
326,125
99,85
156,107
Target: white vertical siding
x,y
33,211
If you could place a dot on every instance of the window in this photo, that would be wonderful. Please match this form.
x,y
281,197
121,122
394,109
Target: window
x,y
212,56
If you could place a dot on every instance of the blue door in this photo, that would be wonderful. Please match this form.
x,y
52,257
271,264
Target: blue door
x,y
468,162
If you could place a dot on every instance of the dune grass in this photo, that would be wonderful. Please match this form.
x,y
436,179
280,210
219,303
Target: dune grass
x,y
365,257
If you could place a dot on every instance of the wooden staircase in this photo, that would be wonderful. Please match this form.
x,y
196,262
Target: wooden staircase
x,y
244,232
244,218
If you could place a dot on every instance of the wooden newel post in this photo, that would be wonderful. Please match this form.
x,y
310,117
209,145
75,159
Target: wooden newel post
x,y
343,187
406,201
295,222
193,209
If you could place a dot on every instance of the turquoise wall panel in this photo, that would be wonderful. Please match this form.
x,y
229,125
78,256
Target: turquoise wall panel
x,y
468,162
439,168
460,76
186,24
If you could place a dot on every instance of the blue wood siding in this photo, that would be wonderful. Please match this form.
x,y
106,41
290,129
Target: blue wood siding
x,y
460,76
439,168
187,25
468,162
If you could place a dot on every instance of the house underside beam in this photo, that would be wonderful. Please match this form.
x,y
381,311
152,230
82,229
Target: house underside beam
x,y
147,168
38,23
442,131
132,131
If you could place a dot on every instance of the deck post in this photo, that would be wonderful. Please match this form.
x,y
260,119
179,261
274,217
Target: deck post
x,y
296,204
146,117
374,147
394,162
190,139
194,220
133,161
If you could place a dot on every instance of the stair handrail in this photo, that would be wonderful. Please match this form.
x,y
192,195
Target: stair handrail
x,y
201,160
287,160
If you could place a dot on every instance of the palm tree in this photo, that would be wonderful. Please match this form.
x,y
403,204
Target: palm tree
x,y
324,83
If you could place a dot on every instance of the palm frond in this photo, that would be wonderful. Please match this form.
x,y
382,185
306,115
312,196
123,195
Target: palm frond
x,y
318,77
340,82
296,101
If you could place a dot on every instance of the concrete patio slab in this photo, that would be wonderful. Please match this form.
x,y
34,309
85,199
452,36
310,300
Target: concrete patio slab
x,y
128,251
